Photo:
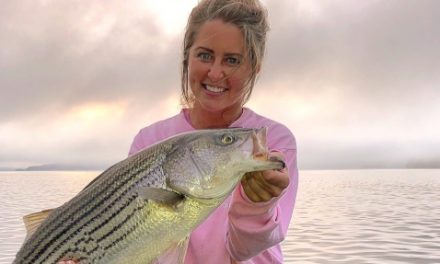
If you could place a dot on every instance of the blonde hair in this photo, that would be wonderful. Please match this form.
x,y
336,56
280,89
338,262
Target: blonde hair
x,y
248,15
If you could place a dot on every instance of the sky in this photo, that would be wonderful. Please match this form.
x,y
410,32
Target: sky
x,y
357,82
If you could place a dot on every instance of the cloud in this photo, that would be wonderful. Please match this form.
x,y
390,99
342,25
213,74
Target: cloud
x,y
58,54
351,79
378,61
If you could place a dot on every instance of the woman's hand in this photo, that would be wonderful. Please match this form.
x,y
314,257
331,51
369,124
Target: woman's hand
x,y
261,186
68,262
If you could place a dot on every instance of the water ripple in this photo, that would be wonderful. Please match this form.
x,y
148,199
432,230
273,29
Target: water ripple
x,y
378,216
362,217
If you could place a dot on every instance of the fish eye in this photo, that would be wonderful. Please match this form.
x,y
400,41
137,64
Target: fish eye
x,y
227,139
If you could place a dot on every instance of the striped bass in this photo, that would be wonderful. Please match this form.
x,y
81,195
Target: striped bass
x,y
147,205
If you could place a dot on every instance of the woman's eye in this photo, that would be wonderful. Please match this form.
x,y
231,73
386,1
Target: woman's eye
x,y
204,56
227,139
233,61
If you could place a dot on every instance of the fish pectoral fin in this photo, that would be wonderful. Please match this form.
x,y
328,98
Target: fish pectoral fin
x,y
160,195
176,253
182,247
34,220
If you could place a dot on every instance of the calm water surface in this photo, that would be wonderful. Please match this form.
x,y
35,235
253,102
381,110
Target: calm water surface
x,y
351,216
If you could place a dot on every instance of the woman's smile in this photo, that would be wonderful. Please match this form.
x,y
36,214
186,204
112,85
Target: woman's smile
x,y
214,89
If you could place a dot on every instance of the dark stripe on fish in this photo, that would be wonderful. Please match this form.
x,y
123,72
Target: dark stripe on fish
x,y
97,246
109,194
89,234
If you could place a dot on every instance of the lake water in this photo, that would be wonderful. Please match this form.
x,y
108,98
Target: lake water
x,y
348,216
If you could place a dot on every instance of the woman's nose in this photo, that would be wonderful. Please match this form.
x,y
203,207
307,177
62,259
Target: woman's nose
x,y
216,72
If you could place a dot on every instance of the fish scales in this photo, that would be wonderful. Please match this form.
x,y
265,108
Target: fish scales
x,y
111,215
110,193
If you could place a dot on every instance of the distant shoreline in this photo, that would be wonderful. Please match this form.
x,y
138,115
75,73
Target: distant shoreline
x,y
301,169
58,167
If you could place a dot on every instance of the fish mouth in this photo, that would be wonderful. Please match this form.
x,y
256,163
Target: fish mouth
x,y
259,151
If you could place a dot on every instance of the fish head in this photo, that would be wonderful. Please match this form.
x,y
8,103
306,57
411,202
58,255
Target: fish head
x,y
208,164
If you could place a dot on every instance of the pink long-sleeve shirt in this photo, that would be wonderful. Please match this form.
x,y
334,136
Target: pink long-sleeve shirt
x,y
239,230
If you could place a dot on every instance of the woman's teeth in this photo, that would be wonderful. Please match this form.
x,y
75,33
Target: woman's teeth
x,y
214,89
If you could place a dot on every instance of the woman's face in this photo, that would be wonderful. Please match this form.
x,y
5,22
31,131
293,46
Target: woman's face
x,y
217,68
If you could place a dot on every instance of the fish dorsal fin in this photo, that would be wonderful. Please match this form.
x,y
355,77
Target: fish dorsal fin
x,y
176,253
34,220
160,195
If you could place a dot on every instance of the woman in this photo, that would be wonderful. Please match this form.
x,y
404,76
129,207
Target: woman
x,y
223,50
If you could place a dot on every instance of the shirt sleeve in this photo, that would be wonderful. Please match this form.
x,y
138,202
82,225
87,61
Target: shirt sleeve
x,y
256,229
146,137
136,145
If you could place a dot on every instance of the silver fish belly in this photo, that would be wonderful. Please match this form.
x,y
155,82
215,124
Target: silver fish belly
x,y
144,205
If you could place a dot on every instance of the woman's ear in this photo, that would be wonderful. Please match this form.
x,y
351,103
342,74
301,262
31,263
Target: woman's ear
x,y
258,68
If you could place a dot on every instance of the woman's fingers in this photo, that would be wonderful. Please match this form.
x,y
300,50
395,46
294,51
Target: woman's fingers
x,y
276,180
262,186
250,193
258,189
